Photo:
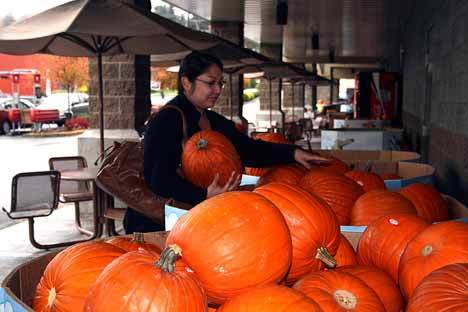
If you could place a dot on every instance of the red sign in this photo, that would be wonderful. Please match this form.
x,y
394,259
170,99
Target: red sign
x,y
37,78
16,78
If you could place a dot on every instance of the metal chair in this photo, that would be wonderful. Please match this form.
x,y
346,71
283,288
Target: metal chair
x,y
33,195
73,191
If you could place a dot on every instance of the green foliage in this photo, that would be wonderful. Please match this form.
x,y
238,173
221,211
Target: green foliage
x,y
250,94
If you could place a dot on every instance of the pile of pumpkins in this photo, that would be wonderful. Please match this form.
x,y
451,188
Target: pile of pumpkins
x,y
276,248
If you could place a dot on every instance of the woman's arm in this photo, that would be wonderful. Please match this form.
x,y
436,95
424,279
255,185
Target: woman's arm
x,y
257,153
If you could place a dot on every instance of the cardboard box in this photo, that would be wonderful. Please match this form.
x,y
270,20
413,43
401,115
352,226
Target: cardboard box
x,y
352,157
403,164
360,123
410,173
19,286
364,139
457,212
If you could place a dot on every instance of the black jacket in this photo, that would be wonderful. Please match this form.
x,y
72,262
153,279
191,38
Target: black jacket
x,y
163,151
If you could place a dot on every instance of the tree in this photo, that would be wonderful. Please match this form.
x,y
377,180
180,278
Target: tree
x,y
168,79
70,73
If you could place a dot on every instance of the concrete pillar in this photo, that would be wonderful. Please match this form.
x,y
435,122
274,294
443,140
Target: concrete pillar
x,y
234,32
127,100
273,51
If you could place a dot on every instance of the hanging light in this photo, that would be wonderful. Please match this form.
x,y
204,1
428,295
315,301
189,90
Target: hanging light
x,y
315,41
282,12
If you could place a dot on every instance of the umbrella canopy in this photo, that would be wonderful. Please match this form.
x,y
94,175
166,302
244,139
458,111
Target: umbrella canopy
x,y
97,28
88,27
279,70
236,60
232,56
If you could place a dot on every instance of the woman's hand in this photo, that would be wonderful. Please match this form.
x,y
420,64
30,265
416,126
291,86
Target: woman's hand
x,y
305,158
214,188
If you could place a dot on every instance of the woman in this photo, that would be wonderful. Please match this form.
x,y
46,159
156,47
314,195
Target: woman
x,y
200,85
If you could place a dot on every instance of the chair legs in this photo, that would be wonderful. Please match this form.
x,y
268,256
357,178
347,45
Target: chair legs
x,y
110,228
110,223
78,221
38,245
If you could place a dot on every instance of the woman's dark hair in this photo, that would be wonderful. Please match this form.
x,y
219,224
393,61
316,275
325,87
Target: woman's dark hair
x,y
194,65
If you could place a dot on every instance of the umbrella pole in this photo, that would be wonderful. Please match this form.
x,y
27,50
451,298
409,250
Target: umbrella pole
x,y
270,104
101,104
230,95
293,104
283,117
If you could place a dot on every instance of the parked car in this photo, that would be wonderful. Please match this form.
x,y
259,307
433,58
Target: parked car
x,y
64,102
11,112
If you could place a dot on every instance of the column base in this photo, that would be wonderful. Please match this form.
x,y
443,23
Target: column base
x,y
88,141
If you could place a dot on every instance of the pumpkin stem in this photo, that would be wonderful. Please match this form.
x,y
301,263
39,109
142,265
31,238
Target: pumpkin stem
x,y
368,166
345,299
324,256
169,257
51,297
202,144
138,237
426,251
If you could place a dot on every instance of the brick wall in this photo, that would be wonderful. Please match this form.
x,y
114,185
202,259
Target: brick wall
x,y
436,35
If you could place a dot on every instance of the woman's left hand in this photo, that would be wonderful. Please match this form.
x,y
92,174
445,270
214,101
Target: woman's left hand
x,y
306,158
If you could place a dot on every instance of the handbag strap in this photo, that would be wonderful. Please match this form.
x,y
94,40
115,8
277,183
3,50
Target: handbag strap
x,y
184,122
182,115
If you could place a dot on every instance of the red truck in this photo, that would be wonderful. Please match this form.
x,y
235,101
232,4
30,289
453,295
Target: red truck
x,y
14,115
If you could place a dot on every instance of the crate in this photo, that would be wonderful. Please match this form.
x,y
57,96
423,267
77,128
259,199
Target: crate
x,y
18,288
363,139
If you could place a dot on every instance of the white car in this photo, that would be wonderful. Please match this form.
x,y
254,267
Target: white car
x,y
64,102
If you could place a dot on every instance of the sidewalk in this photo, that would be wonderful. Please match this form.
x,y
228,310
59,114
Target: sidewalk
x,y
16,249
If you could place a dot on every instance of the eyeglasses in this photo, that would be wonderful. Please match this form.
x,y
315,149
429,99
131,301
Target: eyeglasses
x,y
212,84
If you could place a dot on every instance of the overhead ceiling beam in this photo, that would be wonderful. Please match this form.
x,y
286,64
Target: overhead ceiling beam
x,y
338,59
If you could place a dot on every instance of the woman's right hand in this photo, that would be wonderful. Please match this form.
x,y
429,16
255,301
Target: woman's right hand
x,y
214,188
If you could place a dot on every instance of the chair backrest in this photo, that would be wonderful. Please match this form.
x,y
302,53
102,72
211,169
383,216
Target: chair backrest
x,y
34,191
70,163
306,124
293,131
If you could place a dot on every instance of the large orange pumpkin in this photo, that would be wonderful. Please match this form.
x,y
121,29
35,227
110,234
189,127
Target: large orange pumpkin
x,y
271,298
385,240
428,202
67,279
444,290
337,190
345,254
313,226
271,137
233,242
383,285
368,180
291,174
206,154
378,203
133,243
339,291
438,245
137,281
267,137
336,165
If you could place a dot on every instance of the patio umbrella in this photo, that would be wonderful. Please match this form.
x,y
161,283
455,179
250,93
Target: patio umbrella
x,y
236,60
96,28
292,74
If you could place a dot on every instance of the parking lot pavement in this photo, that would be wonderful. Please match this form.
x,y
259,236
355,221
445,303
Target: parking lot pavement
x,y
24,154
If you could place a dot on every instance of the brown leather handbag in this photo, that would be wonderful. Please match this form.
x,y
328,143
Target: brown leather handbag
x,y
121,175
